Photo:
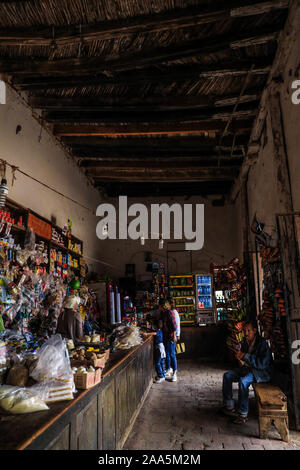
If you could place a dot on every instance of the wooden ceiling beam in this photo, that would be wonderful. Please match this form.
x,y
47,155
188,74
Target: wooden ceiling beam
x,y
136,189
193,128
158,174
139,144
122,104
94,154
114,29
262,66
144,58
198,162
224,113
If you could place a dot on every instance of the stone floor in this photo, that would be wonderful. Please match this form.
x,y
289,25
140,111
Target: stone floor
x,y
185,415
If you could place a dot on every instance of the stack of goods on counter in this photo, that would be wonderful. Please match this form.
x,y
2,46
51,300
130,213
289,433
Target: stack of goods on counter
x,y
36,379
231,279
126,337
87,364
272,317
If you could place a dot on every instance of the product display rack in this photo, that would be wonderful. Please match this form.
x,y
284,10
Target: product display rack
x,y
231,307
185,299
61,257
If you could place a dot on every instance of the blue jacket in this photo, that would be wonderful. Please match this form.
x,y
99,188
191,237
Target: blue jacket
x,y
260,360
158,338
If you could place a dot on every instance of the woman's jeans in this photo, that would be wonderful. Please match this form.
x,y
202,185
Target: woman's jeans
x,y
243,396
159,364
171,360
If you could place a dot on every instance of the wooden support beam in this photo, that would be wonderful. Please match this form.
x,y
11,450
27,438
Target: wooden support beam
x,y
114,29
191,115
165,188
146,129
119,104
174,74
88,156
163,144
135,162
158,174
258,8
143,58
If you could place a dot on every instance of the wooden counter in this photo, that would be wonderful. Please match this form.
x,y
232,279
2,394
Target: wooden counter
x,y
96,419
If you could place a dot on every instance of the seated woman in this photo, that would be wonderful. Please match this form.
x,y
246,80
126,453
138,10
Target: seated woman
x,y
255,360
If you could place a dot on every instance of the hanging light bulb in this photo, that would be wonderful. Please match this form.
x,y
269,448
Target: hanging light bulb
x,y
3,192
161,243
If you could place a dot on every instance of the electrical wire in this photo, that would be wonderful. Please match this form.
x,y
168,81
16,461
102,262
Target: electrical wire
x,y
15,169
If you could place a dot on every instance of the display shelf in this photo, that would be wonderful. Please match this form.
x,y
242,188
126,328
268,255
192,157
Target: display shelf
x,y
180,275
183,297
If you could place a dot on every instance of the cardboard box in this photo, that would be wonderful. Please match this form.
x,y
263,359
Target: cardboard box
x,y
84,381
98,375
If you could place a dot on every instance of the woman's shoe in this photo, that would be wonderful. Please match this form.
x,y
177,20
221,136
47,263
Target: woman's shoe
x,y
228,411
174,377
169,373
159,380
240,419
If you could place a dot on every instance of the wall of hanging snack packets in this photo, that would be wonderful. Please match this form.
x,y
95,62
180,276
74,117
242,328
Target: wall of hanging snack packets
x,y
31,298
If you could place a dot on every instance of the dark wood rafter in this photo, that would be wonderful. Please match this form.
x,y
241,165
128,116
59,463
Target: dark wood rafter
x,y
181,18
191,115
141,77
197,162
165,144
157,56
117,104
137,189
149,129
159,175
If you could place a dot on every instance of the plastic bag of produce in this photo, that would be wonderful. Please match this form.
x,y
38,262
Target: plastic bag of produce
x,y
18,400
127,337
18,375
52,360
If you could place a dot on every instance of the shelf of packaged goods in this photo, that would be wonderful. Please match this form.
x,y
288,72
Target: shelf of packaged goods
x,y
183,297
57,245
18,227
181,275
179,287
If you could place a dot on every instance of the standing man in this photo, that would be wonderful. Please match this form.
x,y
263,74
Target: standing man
x,y
69,323
255,359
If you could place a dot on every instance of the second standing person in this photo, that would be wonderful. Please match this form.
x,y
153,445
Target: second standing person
x,y
169,329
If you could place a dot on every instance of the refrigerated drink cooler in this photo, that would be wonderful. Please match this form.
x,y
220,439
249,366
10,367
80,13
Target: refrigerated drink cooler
x,y
205,307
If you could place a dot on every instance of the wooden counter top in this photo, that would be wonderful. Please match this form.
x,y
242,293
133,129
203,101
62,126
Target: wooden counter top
x,y
18,431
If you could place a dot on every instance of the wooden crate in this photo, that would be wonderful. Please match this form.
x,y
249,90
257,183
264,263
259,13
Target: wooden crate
x,y
84,381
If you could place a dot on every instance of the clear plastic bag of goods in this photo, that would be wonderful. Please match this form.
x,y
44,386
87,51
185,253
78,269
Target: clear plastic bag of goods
x,y
52,361
127,337
18,400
